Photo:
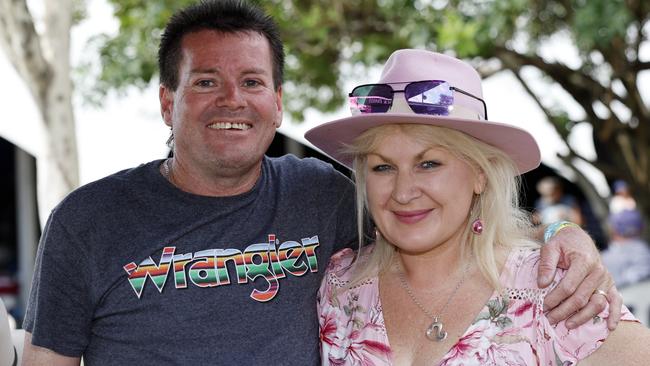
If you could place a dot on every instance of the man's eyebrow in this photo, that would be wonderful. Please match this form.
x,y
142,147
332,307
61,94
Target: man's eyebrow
x,y
255,70
211,70
204,71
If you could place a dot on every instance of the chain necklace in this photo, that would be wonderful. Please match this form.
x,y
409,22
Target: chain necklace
x,y
435,331
167,173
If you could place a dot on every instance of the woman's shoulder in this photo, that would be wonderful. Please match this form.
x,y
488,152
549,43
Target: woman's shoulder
x,y
521,268
341,260
342,264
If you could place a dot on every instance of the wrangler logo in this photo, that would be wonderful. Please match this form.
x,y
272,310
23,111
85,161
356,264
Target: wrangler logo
x,y
208,268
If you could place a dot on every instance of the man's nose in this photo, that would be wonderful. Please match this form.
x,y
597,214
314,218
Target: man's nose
x,y
230,96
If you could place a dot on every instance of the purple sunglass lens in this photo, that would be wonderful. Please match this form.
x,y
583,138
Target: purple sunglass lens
x,y
375,98
429,97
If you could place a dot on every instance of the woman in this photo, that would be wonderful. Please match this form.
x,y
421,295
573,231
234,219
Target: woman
x,y
450,278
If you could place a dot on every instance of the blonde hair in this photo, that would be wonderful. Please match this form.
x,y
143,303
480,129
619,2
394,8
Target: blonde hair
x,y
505,224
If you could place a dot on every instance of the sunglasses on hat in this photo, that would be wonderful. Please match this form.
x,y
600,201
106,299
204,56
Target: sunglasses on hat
x,y
434,97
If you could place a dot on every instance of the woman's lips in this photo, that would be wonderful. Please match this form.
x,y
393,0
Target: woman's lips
x,y
411,217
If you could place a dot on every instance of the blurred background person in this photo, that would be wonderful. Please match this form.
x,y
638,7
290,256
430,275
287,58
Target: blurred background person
x,y
628,256
622,199
554,205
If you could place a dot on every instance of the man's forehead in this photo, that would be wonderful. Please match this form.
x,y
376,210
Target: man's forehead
x,y
204,54
202,32
202,43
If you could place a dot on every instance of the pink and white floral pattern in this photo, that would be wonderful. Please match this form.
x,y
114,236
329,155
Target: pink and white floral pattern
x,y
510,330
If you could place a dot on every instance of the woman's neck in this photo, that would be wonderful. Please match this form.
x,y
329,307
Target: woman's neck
x,y
442,262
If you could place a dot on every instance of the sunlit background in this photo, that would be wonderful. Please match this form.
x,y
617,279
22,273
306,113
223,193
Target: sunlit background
x,y
127,129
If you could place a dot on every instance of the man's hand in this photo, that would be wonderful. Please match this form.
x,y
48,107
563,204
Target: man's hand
x,y
574,298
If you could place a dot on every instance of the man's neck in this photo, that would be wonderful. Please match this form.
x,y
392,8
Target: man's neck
x,y
210,182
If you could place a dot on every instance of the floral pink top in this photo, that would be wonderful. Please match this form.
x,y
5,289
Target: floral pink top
x,y
511,329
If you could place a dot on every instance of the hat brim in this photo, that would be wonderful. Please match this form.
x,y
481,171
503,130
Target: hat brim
x,y
332,137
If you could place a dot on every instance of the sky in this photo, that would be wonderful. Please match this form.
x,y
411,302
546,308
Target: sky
x,y
129,131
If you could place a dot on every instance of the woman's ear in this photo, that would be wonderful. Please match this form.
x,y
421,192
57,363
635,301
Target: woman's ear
x,y
481,181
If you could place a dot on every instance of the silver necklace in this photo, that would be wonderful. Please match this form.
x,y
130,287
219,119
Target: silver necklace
x,y
167,170
435,331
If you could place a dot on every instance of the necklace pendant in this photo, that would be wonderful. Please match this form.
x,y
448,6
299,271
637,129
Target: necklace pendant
x,y
435,331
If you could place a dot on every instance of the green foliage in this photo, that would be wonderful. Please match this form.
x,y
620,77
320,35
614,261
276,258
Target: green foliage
x,y
455,33
329,41
78,11
322,36
562,122
598,22
128,58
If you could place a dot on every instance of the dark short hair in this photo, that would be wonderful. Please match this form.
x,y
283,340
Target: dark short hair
x,y
228,16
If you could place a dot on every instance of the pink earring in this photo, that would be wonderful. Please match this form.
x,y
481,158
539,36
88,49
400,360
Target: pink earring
x,y
477,226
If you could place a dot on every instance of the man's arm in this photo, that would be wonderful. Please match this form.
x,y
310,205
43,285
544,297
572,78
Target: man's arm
x,y
37,356
627,345
573,299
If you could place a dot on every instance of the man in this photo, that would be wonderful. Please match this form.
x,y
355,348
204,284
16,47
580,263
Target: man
x,y
214,256
627,256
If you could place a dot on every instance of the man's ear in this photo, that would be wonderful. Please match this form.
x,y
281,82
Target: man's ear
x,y
278,102
166,97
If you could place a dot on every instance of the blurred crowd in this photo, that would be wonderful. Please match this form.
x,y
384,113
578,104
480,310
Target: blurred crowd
x,y
627,253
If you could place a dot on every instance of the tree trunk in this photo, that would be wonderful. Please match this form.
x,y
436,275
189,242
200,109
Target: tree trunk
x,y
43,62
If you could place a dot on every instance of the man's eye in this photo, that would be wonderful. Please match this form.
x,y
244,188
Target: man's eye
x,y
205,83
252,83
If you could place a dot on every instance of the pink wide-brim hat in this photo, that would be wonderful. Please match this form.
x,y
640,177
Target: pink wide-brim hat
x,y
466,116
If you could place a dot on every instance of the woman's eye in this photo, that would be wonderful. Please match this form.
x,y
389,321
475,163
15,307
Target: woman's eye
x,y
381,168
429,164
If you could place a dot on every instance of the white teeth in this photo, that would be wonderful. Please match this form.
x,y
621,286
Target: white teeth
x,y
228,126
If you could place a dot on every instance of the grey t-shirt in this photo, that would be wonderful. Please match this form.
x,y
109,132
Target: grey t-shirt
x,y
131,270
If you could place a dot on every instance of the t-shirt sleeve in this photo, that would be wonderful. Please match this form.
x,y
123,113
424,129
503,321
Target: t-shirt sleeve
x,y
59,311
346,221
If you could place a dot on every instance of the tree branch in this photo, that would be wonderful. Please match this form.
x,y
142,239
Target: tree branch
x,y
580,86
639,10
577,84
489,68
547,112
598,204
567,159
